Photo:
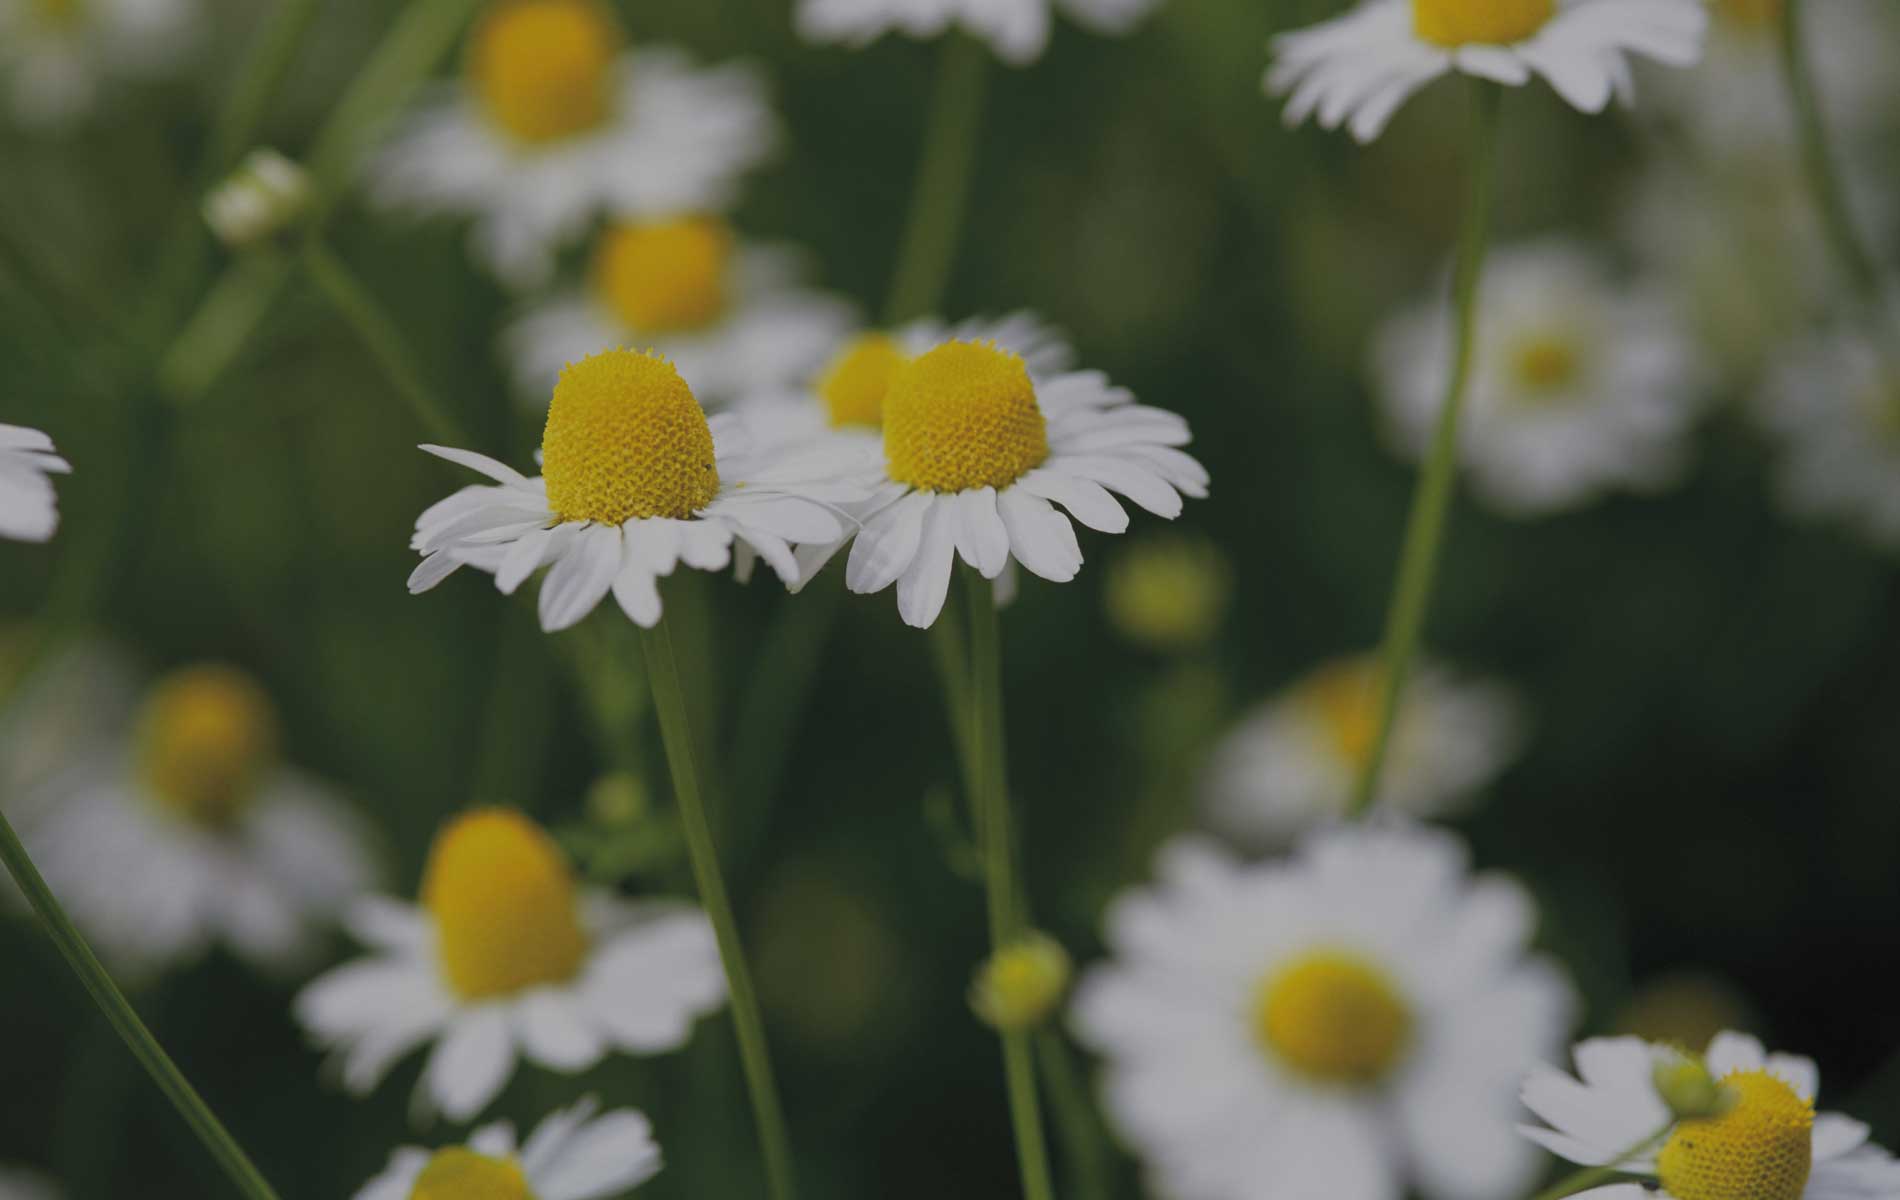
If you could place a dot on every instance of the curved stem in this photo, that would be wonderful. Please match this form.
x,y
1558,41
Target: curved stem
x,y
942,189
1590,1177
1817,156
1425,529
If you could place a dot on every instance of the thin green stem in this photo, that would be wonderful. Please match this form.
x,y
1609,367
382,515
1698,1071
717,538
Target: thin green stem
x,y
125,1021
265,67
1590,1177
682,756
1425,529
1083,1145
942,189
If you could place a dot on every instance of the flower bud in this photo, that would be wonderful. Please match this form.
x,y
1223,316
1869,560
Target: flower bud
x,y
1021,984
1684,1083
617,800
266,195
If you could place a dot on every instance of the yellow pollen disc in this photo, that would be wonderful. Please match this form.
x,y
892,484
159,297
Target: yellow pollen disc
x,y
626,439
207,736
1345,698
543,68
1484,22
1545,364
963,416
853,387
664,276
459,1173
503,903
1762,1149
1334,1018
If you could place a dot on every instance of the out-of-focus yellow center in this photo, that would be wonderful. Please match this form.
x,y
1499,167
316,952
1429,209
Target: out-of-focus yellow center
x,y
1483,22
963,416
853,387
207,736
56,12
1169,594
1761,1149
1344,696
1333,1017
664,276
1021,984
625,438
1752,14
504,907
543,68
1545,364
459,1173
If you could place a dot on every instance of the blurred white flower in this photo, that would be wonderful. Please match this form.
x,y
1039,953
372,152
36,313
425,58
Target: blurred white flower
x,y
1832,403
19,1184
1291,763
56,56
1770,1145
69,701
505,954
266,195
29,511
1017,30
1581,384
577,1153
1351,1023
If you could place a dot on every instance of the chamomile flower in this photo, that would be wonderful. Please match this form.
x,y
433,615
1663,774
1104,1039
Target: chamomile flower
x,y
1770,1144
1581,385
636,480
1017,30
56,56
506,955
191,833
578,1153
732,318
1833,405
17,1183
1357,70
1350,1023
555,125
1292,763
29,511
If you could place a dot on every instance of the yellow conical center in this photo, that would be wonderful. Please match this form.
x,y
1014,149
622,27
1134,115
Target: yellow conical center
x,y
1344,696
459,1173
1761,1149
1334,1018
963,416
503,902
543,68
853,387
664,276
206,738
1484,22
626,439
1752,14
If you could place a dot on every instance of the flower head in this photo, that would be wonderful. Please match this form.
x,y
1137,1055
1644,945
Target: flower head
x,y
1020,985
57,57
578,1153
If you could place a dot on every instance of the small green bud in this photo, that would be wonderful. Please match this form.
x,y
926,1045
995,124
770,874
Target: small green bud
x,y
1017,987
1692,1094
616,801
266,195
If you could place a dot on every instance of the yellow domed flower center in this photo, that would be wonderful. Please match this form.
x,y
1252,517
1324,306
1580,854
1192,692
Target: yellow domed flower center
x,y
664,276
1333,1017
1345,698
543,68
853,387
1751,14
459,1173
504,907
206,738
963,416
626,439
1545,364
1761,1149
1484,22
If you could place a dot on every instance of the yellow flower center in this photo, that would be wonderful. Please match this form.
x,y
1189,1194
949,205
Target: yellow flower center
x,y
1169,594
853,387
1761,1149
1545,364
1334,1018
963,416
543,68
1752,14
459,1173
57,12
206,738
664,276
1344,696
1485,22
504,907
626,439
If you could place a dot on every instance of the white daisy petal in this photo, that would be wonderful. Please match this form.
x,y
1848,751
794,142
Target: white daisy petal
x,y
1040,538
471,1063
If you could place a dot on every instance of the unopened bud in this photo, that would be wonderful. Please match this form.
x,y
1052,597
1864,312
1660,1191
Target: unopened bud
x,y
1692,1094
1021,984
266,195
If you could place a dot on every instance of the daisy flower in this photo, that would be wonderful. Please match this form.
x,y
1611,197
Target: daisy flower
x,y
636,480
1350,1023
29,511
578,1153
20,1184
506,954
1833,404
1357,70
57,55
1292,763
1017,30
554,125
190,832
732,318
1771,1145
1581,384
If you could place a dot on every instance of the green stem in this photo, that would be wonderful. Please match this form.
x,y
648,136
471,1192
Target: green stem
x,y
682,756
1082,1141
1590,1177
265,67
942,190
1425,529
125,1021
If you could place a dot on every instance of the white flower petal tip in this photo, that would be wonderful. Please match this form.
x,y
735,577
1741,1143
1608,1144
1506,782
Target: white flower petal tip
x,y
1017,31
29,508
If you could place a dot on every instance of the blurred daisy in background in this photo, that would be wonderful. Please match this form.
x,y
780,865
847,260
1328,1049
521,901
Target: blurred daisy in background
x,y
732,318
1169,593
190,832
1292,763
1832,404
577,1153
57,56
505,955
1350,1023
1017,30
556,125
17,1183
29,511
62,703
1357,70
1582,384
1770,1145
